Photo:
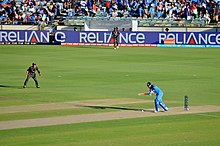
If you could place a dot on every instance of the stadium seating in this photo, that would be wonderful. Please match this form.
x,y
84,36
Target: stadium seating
x,y
146,12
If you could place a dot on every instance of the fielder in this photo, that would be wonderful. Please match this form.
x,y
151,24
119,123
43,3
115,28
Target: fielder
x,y
31,74
159,94
115,36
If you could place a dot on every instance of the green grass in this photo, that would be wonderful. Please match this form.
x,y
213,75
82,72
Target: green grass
x,y
184,130
97,73
87,73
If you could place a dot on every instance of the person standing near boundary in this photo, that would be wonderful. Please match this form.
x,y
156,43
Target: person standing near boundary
x,y
159,94
115,36
31,73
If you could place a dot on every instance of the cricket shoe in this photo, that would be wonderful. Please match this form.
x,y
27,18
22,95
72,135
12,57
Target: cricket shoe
x,y
117,47
166,109
24,86
156,111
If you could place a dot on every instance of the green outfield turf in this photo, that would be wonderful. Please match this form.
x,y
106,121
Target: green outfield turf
x,y
184,130
71,74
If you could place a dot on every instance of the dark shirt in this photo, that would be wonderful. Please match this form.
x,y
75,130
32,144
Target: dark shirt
x,y
115,34
32,70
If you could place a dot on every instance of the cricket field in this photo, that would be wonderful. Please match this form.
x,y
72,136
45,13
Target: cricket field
x,y
88,96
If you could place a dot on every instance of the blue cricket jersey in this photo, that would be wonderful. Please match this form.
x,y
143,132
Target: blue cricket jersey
x,y
155,89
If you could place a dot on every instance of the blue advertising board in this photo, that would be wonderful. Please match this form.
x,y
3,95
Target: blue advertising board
x,y
160,39
151,38
24,36
190,38
103,37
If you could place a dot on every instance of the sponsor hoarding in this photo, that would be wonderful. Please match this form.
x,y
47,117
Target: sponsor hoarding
x,y
103,38
139,38
24,36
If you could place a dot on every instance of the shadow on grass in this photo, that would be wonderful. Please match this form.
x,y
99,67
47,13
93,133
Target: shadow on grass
x,y
115,108
8,86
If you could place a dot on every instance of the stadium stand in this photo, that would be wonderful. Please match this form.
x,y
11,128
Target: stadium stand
x,y
147,12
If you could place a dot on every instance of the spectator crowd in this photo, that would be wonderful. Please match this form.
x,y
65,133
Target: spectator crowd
x,y
45,11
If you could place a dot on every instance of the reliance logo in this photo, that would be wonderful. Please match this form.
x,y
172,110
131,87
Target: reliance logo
x,y
96,37
25,36
191,38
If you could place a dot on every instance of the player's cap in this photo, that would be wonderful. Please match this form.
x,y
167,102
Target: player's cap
x,y
148,84
33,63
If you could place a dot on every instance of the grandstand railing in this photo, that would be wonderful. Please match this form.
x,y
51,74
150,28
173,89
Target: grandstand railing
x,y
29,25
79,20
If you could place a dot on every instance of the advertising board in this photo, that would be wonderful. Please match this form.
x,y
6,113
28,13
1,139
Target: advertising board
x,y
24,36
160,39
103,38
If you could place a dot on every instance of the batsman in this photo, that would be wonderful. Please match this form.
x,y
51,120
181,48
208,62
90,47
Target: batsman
x,y
153,89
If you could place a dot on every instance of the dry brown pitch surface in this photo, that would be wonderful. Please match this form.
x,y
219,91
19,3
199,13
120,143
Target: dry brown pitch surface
x,y
118,114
